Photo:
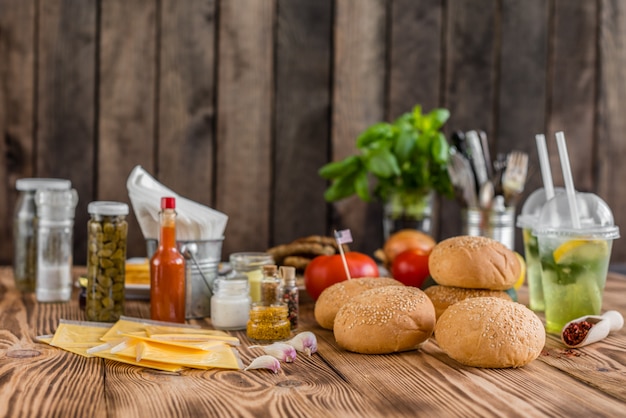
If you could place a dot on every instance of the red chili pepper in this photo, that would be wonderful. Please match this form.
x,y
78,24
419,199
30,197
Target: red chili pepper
x,y
576,332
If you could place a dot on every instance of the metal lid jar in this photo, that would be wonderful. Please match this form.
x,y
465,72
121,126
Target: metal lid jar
x,y
107,231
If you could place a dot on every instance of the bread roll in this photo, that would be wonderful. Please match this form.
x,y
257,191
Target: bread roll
x,y
444,296
385,320
474,263
335,296
490,332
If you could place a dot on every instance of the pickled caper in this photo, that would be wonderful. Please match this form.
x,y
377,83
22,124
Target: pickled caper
x,y
106,261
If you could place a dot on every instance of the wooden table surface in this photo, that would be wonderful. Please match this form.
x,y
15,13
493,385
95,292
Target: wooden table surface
x,y
37,380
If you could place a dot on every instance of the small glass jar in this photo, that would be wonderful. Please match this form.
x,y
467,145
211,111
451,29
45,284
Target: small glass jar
x,y
24,229
230,303
106,261
271,286
268,323
55,237
250,264
291,293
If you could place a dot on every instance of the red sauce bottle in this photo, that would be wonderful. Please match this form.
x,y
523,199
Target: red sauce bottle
x,y
167,270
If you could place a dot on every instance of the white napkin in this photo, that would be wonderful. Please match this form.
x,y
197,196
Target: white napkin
x,y
194,222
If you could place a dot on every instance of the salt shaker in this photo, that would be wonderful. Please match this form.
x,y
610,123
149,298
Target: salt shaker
x,y
24,236
55,234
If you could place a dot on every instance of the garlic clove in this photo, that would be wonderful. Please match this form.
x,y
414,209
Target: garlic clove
x,y
264,362
281,351
305,342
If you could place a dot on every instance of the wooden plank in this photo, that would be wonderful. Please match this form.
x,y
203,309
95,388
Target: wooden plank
x,y
611,124
415,56
358,101
127,101
470,76
17,95
244,128
415,62
66,86
303,55
186,111
522,95
572,87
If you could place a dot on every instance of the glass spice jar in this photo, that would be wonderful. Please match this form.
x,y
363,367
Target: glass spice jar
x,y
250,264
106,261
291,296
230,303
268,323
24,229
271,286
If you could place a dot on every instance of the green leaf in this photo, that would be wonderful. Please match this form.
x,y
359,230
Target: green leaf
x,y
438,117
404,146
341,168
361,185
440,150
382,163
340,189
379,132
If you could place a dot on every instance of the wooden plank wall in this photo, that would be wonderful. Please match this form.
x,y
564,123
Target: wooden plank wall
x,y
237,103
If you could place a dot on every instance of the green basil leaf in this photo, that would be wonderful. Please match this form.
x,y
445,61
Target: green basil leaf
x,y
382,163
376,133
361,185
405,144
438,117
439,149
340,189
341,168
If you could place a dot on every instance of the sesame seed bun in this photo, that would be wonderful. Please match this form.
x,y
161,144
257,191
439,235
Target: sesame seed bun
x,y
335,296
444,296
490,332
474,263
385,320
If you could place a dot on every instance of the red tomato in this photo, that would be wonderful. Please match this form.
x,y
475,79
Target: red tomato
x,y
326,270
411,267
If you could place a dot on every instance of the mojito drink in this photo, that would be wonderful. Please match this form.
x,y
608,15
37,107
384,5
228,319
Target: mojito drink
x,y
533,271
573,275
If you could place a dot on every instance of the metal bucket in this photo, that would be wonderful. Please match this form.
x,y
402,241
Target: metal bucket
x,y
498,224
201,265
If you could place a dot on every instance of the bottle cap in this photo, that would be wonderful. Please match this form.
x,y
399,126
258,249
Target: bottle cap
x,y
168,202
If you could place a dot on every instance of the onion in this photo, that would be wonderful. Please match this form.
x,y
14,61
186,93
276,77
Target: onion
x,y
406,239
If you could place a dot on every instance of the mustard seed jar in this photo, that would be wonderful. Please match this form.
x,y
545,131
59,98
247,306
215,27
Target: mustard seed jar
x,y
106,260
268,323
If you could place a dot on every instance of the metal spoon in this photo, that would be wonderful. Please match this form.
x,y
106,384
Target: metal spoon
x,y
486,194
601,326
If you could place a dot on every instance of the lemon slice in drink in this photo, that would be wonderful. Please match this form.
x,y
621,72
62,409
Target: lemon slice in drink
x,y
522,273
580,250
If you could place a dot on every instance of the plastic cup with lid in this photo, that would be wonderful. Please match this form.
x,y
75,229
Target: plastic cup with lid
x,y
574,255
526,221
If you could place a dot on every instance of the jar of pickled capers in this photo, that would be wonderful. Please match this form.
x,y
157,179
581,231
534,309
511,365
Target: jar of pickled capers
x,y
106,260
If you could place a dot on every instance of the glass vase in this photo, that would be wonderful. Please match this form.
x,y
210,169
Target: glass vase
x,y
407,211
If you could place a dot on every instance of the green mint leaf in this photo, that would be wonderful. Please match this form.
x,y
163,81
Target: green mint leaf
x,y
375,134
341,168
382,163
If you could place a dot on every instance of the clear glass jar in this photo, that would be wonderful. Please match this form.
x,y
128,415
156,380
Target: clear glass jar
x,y
55,235
291,294
268,323
24,233
230,303
107,232
271,286
250,264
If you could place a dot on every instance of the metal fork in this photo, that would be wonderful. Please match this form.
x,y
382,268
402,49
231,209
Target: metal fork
x,y
462,178
514,176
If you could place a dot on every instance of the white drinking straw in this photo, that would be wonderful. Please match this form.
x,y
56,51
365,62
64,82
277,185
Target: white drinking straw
x,y
567,177
544,163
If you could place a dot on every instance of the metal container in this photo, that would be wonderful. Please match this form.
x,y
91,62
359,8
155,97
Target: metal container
x,y
496,223
202,259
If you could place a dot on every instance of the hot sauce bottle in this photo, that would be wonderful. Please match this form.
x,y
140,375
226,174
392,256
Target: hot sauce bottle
x,y
167,270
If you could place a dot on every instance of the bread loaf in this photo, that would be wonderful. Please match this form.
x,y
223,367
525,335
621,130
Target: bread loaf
x,y
335,296
385,320
490,332
475,263
444,296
